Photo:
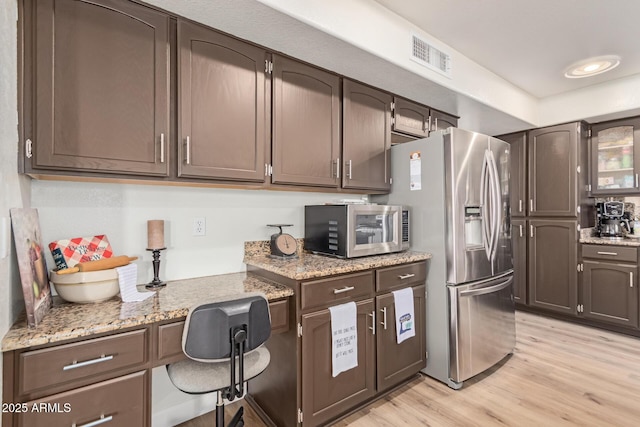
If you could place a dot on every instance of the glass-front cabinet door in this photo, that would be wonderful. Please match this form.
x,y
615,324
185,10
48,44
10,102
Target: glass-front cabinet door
x,y
615,157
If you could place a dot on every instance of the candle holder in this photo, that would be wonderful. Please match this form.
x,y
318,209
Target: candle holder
x,y
156,283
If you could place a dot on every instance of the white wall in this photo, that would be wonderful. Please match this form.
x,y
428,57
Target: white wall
x,y
14,189
121,211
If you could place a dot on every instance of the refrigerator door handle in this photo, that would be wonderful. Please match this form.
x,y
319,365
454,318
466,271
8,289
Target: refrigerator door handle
x,y
484,201
495,205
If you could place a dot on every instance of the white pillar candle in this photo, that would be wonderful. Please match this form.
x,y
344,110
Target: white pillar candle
x,y
155,234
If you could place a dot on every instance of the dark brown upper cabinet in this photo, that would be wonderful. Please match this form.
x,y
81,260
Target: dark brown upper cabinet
x,y
553,170
615,157
366,138
223,100
102,81
410,118
306,125
440,120
518,174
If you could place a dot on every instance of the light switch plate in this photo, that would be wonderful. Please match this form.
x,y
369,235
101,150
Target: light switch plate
x,y
5,235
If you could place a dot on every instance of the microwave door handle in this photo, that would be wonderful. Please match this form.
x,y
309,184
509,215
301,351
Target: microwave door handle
x,y
485,208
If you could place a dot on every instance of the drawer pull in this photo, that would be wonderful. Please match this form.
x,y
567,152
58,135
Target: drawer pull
x,y
345,289
97,422
608,253
75,365
384,317
373,322
406,276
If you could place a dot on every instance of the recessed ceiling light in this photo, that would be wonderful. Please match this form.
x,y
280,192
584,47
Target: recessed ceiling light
x,y
592,66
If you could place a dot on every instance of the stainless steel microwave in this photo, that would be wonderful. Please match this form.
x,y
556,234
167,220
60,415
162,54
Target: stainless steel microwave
x,y
352,230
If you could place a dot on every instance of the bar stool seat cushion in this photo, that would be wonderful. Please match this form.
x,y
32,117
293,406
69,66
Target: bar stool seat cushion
x,y
195,377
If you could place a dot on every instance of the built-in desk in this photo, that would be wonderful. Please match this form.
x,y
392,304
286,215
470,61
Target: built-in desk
x,y
92,362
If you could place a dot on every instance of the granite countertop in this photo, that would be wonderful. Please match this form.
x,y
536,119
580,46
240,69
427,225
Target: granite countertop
x,y
310,266
70,320
587,236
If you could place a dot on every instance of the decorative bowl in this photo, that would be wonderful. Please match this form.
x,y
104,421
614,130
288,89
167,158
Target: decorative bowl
x,y
86,286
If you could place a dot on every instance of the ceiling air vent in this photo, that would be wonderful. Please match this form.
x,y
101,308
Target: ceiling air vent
x,y
427,55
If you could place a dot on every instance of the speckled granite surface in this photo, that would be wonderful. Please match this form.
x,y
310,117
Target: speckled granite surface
x,y
310,266
586,236
68,320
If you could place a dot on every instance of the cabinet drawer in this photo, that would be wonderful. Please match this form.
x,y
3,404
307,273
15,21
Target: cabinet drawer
x,y
615,253
400,276
117,402
65,363
336,290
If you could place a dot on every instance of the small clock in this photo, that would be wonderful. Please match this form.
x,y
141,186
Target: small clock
x,y
283,245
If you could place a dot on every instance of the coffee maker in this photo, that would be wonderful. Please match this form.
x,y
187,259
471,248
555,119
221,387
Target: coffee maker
x,y
612,221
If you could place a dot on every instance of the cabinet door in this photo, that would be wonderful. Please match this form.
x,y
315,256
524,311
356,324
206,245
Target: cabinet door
x,y
615,157
440,120
366,137
102,87
610,292
306,125
323,396
397,362
410,118
223,97
553,265
518,174
519,248
553,161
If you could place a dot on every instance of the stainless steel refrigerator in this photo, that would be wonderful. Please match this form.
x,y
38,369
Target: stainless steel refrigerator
x,y
456,184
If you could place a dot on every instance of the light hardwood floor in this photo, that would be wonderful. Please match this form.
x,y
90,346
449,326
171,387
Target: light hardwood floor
x,y
560,374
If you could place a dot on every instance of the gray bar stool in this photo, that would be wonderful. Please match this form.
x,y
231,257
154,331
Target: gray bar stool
x,y
223,341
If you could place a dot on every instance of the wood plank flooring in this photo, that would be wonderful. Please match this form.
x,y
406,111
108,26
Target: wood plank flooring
x,y
560,374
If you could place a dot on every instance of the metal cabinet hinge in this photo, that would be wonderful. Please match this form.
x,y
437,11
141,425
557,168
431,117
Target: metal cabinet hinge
x,y
578,169
268,66
28,148
268,169
578,209
589,133
390,180
393,106
580,267
299,329
589,187
426,354
300,417
393,121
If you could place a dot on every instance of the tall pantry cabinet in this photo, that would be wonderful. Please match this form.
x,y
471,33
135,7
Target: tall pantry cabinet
x,y
548,206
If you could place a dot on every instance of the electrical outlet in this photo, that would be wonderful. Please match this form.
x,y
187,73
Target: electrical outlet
x,y
199,226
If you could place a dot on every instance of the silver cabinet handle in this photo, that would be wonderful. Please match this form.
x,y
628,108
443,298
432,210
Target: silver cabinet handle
x,y
338,168
637,181
631,279
75,365
384,318
429,126
162,148
406,276
349,175
520,205
345,289
97,422
608,253
530,205
188,150
436,125
531,230
373,322
520,226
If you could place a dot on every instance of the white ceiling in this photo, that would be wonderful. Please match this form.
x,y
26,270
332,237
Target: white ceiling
x,y
530,43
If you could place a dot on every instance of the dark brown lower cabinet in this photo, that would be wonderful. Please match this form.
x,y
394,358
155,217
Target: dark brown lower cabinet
x,y
610,292
396,362
324,396
300,372
553,261
519,253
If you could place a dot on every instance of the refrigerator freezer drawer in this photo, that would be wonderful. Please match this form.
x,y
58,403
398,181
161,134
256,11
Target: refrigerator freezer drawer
x,y
482,325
